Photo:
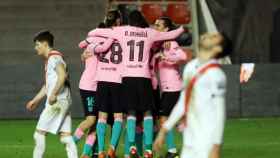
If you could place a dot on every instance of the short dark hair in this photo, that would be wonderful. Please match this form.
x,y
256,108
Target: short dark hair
x,y
226,44
167,22
44,36
112,17
101,25
135,18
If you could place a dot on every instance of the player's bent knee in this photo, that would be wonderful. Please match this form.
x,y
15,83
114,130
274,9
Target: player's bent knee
x,y
66,138
102,120
37,136
42,132
102,115
91,120
65,134
118,117
162,120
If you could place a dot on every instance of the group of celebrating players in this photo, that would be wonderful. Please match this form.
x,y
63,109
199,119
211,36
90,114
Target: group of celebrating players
x,y
132,79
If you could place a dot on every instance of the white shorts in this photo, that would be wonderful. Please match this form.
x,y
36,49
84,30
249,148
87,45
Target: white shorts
x,y
55,118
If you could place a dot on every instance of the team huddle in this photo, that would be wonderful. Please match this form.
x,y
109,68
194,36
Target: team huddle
x,y
132,82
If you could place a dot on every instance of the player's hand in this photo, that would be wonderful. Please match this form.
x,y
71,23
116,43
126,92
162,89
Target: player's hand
x,y
160,56
163,57
246,72
31,105
52,99
167,45
85,55
159,141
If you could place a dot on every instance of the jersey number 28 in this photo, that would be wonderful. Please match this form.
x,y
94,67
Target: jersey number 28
x,y
116,54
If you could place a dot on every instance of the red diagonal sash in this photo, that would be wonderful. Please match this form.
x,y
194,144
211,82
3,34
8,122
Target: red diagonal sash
x,y
189,89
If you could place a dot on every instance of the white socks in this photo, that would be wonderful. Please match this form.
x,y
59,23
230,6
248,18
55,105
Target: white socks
x,y
40,145
70,146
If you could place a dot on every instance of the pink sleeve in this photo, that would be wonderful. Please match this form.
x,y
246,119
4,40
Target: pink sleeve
x,y
100,48
162,36
110,33
90,47
83,44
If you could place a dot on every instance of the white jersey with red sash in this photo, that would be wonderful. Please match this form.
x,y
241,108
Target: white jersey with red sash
x,y
55,58
203,104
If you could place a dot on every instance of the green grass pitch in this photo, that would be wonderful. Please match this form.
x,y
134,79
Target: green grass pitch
x,y
246,138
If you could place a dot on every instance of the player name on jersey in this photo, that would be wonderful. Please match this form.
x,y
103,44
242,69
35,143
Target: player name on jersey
x,y
136,34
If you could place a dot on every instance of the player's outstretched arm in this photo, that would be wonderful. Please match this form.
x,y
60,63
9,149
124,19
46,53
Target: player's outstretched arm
x,y
61,78
100,48
108,32
163,36
83,44
33,104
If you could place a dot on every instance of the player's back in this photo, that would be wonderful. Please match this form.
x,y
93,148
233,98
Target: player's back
x,y
136,43
109,66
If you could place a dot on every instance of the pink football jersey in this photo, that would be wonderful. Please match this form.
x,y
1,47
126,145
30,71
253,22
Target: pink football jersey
x,y
170,78
136,44
109,67
88,78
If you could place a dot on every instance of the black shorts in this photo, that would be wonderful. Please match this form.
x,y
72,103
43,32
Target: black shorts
x,y
137,94
156,94
109,97
110,119
89,102
167,102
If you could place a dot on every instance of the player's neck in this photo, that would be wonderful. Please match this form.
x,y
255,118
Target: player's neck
x,y
204,56
48,51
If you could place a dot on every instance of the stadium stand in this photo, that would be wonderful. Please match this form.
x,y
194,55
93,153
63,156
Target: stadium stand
x,y
152,11
179,13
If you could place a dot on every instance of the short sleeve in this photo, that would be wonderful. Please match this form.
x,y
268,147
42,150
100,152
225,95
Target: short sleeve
x,y
54,61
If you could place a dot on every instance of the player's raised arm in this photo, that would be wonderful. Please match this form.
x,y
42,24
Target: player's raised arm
x,y
32,104
61,78
102,47
83,44
107,32
162,36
